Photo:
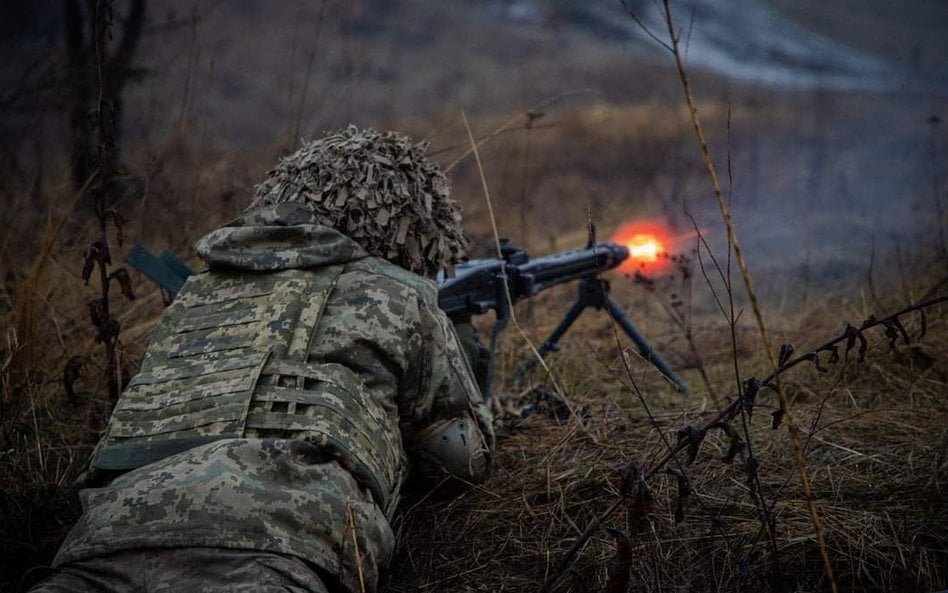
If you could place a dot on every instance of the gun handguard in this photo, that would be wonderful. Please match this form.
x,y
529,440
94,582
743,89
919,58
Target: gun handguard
x,y
478,285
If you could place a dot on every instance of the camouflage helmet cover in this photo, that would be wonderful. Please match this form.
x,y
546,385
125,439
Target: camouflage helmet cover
x,y
377,188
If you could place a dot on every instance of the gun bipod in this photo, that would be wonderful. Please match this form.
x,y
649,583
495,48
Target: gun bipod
x,y
594,292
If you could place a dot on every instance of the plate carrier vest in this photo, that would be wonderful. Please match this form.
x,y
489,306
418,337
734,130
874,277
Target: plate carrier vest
x,y
229,360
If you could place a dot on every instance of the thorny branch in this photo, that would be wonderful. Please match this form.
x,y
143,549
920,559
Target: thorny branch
x,y
851,335
740,403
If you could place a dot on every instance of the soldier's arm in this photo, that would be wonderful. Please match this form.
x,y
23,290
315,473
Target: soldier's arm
x,y
478,356
453,433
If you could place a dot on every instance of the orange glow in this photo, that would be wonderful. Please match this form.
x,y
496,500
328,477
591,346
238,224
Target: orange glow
x,y
648,243
644,248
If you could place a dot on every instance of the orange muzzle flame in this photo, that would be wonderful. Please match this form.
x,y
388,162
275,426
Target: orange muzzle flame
x,y
644,248
646,242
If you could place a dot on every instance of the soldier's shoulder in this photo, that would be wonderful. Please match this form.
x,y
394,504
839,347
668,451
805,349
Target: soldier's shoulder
x,y
383,271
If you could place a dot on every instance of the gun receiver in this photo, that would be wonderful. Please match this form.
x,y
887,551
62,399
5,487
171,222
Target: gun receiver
x,y
478,285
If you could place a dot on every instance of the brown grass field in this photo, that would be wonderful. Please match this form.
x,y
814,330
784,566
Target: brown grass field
x,y
874,433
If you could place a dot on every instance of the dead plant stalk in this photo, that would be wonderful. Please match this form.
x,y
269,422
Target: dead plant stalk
x,y
738,404
748,285
493,224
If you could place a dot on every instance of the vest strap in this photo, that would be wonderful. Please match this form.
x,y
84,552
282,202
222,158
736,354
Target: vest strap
x,y
127,456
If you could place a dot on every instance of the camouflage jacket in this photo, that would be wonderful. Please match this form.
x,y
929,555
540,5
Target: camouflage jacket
x,y
380,338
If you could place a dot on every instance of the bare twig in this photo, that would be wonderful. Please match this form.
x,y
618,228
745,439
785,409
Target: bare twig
x,y
937,193
580,542
98,253
766,512
526,116
683,322
829,345
503,276
351,527
189,72
643,26
755,305
727,414
295,136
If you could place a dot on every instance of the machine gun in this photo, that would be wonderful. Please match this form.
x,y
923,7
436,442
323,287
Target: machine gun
x,y
482,285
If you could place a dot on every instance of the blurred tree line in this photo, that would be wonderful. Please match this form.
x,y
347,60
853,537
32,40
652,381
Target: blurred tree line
x,y
73,62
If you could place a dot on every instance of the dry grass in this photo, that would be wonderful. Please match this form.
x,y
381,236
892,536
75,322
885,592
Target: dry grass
x,y
874,434
875,445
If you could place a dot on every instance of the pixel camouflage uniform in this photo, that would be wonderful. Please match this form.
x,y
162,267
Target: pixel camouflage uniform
x,y
279,405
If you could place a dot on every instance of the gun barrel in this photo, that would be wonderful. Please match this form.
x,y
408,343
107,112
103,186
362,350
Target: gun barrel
x,y
572,265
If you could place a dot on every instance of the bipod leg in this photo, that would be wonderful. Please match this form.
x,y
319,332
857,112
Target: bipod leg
x,y
616,312
550,344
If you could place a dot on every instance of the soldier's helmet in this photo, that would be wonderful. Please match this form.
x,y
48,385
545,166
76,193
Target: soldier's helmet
x,y
380,190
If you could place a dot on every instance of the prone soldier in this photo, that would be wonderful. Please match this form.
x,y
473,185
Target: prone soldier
x,y
289,389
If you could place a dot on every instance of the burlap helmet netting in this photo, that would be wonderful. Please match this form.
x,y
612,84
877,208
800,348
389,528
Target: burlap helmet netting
x,y
378,189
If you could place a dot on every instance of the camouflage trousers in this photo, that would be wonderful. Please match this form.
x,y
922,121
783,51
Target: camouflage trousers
x,y
198,570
